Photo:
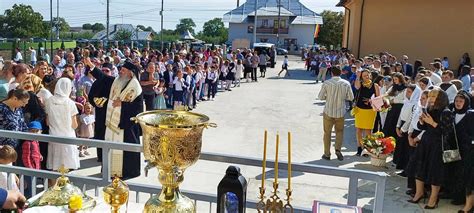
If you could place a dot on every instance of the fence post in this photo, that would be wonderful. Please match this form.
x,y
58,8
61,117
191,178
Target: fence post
x,y
352,197
379,194
105,165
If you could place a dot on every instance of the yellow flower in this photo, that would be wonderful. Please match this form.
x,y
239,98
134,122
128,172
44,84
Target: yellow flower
x,y
75,202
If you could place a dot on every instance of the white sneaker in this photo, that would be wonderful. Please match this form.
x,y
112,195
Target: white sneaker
x,y
212,99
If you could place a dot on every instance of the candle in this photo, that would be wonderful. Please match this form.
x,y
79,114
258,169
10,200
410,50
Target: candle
x,y
264,162
276,158
289,160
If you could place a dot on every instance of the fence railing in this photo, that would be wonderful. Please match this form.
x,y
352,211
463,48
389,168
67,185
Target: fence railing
x,y
379,178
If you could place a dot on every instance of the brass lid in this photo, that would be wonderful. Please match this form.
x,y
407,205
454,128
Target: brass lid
x,y
60,193
117,187
172,119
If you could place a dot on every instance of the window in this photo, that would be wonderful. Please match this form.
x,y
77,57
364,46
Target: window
x,y
283,24
264,23
275,24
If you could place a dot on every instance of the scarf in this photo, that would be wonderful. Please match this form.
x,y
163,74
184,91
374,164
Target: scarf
x,y
467,103
368,84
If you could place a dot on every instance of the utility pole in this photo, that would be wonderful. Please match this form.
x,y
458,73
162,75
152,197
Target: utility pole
x,y
161,30
278,27
238,3
255,23
57,20
107,29
51,37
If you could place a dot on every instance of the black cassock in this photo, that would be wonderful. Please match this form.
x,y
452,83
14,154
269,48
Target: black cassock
x,y
132,131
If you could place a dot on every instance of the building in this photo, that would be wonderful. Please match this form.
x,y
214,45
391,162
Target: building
x,y
137,34
420,29
296,28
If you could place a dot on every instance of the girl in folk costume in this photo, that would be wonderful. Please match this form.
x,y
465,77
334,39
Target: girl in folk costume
x,y
230,75
61,117
222,75
126,101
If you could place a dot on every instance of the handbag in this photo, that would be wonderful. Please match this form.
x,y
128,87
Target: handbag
x,y
454,154
355,109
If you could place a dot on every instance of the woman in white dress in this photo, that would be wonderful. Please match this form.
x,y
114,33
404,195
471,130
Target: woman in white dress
x,y
61,117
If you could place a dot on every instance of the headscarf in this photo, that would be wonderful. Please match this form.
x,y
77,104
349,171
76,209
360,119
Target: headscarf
x,y
63,88
467,102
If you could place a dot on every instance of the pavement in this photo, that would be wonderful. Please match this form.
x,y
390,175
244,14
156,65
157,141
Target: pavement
x,y
280,104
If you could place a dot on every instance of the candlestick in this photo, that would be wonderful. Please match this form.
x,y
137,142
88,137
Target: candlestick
x,y
276,158
264,162
289,160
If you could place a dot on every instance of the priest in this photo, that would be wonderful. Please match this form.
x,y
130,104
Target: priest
x,y
124,102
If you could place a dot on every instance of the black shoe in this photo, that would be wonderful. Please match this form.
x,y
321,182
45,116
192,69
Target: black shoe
x,y
410,192
325,157
433,207
417,201
359,151
339,155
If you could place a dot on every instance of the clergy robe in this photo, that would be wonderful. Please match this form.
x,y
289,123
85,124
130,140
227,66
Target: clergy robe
x,y
98,98
131,130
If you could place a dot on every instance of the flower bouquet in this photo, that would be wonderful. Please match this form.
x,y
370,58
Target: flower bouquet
x,y
379,147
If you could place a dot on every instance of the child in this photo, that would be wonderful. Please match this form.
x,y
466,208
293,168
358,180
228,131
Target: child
x,y
7,157
30,154
323,68
160,102
179,87
284,66
238,73
314,67
86,127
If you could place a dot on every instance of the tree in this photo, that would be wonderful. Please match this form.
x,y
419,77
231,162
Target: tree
x,y
141,27
123,35
97,27
22,22
331,30
87,26
214,27
184,25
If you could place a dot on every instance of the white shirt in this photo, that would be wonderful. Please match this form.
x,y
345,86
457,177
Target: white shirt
x,y
33,55
8,184
18,57
285,61
179,84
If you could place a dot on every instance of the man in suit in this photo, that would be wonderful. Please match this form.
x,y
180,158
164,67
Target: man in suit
x,y
407,67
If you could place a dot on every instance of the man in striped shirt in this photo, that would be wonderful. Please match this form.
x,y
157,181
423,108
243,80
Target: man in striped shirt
x,y
336,91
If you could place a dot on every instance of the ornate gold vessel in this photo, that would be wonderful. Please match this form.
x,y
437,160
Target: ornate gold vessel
x,y
116,194
171,142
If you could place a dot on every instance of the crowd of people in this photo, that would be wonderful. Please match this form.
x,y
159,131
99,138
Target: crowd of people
x,y
92,93
429,114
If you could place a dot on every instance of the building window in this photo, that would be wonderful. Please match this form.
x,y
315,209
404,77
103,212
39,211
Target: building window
x,y
264,23
282,24
275,24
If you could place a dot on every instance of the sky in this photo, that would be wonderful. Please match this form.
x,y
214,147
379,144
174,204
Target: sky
x,y
145,12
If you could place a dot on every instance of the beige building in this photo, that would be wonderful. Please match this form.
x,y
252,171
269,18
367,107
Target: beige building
x,y
421,29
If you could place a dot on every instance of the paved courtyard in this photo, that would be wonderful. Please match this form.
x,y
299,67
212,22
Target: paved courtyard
x,y
281,105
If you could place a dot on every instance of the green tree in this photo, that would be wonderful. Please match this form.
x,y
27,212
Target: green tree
x,y
97,27
87,26
168,35
184,25
22,22
214,27
141,27
123,35
331,30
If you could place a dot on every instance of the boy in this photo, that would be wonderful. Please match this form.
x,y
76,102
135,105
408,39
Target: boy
x,y
31,156
284,66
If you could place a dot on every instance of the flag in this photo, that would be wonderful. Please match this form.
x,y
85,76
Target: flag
x,y
316,31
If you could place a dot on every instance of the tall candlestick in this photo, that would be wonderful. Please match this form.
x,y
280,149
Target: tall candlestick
x,y
289,160
264,162
276,158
